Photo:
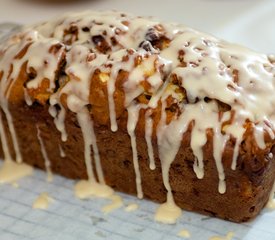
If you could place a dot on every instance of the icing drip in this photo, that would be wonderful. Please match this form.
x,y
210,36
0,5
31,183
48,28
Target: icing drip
x,y
5,146
89,137
86,189
148,137
131,207
259,136
116,203
198,140
219,142
79,71
112,110
271,200
229,236
238,132
184,233
45,155
11,171
62,153
27,97
4,105
59,119
167,212
42,201
133,115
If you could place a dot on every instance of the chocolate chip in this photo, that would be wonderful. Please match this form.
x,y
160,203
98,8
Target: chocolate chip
x,y
156,36
57,107
32,73
85,29
89,107
70,35
55,48
152,35
252,209
113,41
148,97
146,45
73,29
98,39
127,163
101,43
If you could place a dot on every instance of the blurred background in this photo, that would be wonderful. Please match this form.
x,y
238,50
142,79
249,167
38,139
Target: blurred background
x,y
249,22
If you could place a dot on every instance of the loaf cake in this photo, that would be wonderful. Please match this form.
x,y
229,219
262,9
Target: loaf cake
x,y
152,109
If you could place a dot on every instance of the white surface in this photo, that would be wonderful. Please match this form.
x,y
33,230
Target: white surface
x,y
248,22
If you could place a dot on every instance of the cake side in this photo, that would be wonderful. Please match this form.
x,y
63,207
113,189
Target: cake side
x,y
248,187
177,97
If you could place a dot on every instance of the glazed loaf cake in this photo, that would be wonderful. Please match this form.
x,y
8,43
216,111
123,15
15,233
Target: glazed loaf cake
x,y
157,110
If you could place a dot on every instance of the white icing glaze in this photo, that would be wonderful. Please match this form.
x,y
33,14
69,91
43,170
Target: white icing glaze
x,y
116,202
219,142
131,207
271,204
184,233
28,99
228,236
45,155
86,189
11,171
42,201
198,140
11,61
148,137
133,115
59,117
87,129
167,154
5,146
271,201
112,110
61,151
168,213
238,132
4,106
